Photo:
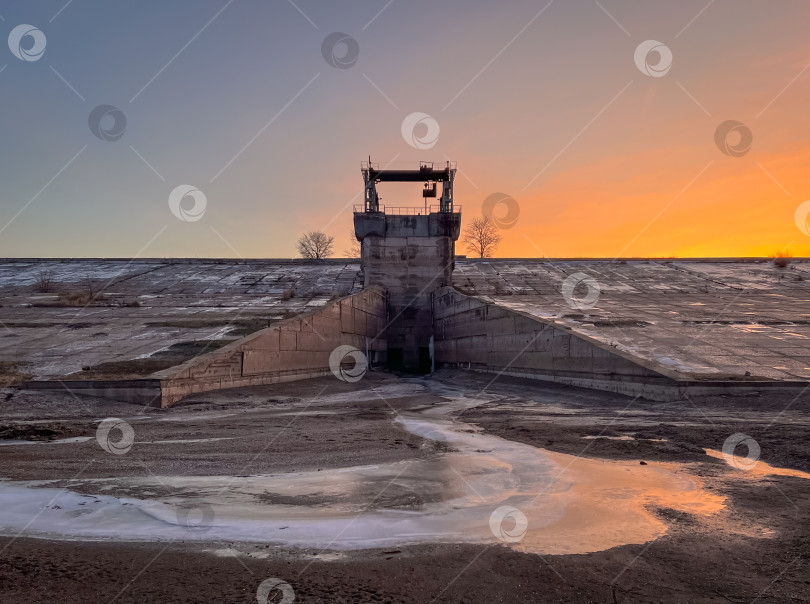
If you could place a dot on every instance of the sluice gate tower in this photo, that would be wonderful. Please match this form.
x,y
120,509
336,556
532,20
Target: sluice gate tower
x,y
409,251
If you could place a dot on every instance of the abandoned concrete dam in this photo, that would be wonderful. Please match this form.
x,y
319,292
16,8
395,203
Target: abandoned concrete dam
x,y
167,328
412,404
155,331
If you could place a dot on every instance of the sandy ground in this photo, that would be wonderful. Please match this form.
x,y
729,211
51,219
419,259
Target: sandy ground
x,y
755,548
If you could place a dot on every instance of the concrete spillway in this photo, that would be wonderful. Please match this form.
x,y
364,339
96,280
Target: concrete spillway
x,y
656,323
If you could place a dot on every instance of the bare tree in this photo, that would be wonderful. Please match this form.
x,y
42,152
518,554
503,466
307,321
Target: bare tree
x,y
44,281
481,237
354,246
315,245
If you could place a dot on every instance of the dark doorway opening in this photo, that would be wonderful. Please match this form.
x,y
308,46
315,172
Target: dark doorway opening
x,y
424,359
394,359
409,361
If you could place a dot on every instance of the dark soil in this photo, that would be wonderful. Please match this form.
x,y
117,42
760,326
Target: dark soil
x,y
756,549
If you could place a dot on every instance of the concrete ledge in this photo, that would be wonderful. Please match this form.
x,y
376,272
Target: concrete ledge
x,y
664,391
146,392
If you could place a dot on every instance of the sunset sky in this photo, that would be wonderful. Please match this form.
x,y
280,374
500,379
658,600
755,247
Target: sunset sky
x,y
541,101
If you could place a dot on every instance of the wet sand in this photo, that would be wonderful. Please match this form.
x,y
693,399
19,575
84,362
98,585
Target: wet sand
x,y
728,551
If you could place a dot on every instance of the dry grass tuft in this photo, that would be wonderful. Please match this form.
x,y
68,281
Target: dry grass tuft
x,y
781,259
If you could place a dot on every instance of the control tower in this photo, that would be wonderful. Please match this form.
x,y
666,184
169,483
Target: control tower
x,y
409,251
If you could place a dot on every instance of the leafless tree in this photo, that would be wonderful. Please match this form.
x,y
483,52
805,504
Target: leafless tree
x,y
44,281
481,237
316,245
353,250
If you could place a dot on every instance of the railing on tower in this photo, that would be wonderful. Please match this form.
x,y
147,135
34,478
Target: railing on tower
x,y
406,210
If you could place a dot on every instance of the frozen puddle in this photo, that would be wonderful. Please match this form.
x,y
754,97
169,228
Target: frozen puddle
x,y
480,491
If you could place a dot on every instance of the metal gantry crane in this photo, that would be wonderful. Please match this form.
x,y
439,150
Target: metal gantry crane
x,y
429,173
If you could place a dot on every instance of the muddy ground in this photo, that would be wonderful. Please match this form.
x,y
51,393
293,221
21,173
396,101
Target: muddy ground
x,y
756,549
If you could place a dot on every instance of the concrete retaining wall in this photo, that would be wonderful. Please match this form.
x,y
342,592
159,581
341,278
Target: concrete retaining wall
x,y
474,334
144,392
294,349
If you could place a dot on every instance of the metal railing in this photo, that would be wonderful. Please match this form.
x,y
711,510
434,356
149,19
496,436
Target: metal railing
x,y
407,210
431,165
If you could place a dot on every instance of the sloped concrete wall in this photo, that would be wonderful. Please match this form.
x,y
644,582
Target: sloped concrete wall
x,y
294,349
475,334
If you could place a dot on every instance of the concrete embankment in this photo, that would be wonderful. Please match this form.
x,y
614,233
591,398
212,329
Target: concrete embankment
x,y
474,334
293,349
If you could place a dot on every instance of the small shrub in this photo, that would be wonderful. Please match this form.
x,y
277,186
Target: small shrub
x,y
781,259
44,281
288,293
134,304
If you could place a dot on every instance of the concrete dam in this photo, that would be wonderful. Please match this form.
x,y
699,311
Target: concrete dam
x,y
658,325
160,330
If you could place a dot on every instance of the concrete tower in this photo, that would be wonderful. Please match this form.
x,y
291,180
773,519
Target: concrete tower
x,y
409,251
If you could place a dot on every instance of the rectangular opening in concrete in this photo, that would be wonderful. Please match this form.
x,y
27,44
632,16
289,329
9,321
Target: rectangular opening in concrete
x,y
395,362
424,359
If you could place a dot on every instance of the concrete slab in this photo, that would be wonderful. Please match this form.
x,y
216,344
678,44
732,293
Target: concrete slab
x,y
699,318
152,312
